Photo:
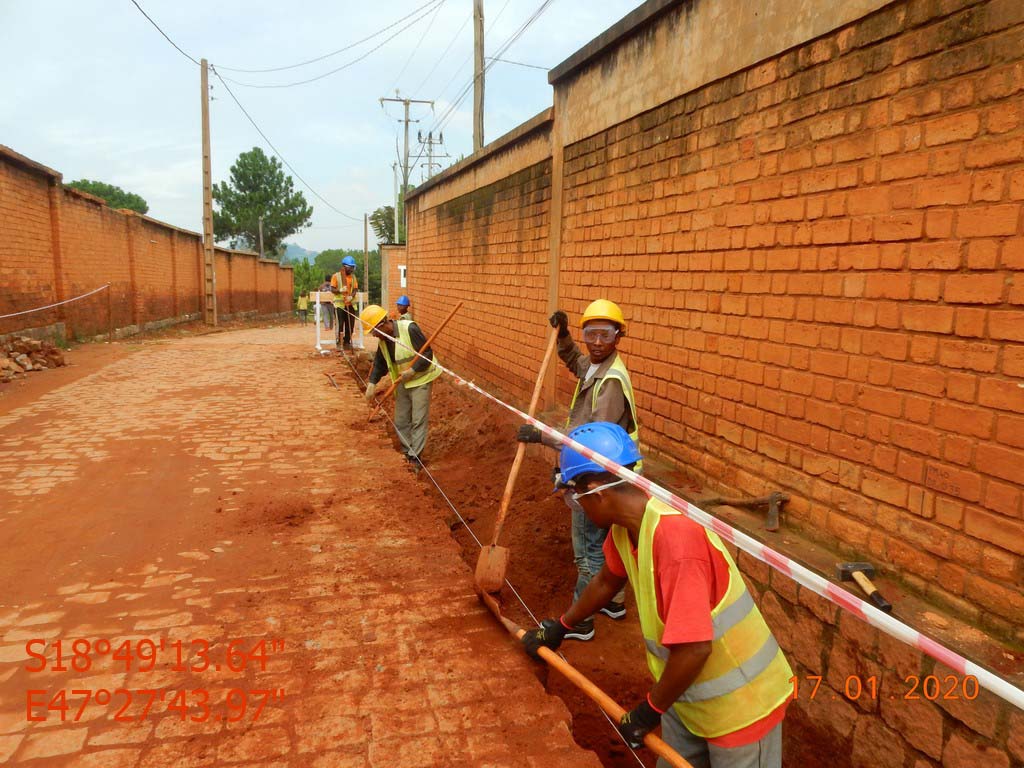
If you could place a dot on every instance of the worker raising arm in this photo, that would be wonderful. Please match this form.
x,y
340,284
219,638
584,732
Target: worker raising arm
x,y
722,683
604,392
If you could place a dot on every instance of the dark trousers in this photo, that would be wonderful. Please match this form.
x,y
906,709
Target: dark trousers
x,y
304,314
346,323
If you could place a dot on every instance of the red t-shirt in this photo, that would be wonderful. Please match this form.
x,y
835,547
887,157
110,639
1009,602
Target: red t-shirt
x,y
690,578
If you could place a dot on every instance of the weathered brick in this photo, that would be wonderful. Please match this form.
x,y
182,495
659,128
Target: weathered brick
x,y
974,289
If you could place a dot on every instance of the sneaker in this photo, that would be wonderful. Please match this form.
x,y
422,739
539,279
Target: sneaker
x,y
615,611
583,631
413,463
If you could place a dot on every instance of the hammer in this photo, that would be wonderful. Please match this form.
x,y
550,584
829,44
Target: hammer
x,y
862,574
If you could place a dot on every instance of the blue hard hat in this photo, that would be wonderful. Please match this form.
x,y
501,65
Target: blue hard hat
x,y
348,261
403,301
603,437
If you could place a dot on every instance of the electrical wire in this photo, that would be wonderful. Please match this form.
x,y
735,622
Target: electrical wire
x,y
343,66
166,37
444,53
332,53
448,501
277,152
518,63
420,42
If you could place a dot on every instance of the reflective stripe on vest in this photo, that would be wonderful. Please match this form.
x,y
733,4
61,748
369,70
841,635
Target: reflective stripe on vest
x,y
617,370
746,676
405,355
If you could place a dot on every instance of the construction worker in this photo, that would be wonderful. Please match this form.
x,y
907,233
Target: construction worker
x,y
326,309
604,392
722,683
345,286
403,307
399,361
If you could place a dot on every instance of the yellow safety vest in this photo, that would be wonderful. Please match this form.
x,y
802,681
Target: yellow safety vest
x,y
746,677
617,370
404,355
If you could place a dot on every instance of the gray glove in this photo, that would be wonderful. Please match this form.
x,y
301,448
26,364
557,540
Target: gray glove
x,y
370,389
408,374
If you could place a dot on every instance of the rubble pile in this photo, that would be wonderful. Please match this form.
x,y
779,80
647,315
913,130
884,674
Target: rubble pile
x,y
21,354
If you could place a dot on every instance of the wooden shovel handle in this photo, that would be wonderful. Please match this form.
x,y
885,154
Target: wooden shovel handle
x,y
426,344
510,485
654,743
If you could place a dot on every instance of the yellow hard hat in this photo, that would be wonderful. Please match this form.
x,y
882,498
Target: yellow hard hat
x,y
372,315
602,309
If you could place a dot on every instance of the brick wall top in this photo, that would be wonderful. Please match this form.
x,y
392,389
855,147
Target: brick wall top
x,y
8,155
625,75
523,146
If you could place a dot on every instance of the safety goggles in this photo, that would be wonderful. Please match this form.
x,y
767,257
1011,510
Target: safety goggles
x,y
602,333
605,487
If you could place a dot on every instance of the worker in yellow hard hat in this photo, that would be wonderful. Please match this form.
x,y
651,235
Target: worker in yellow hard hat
x,y
416,374
604,392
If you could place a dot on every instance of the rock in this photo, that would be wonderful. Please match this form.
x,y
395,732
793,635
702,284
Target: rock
x,y
23,361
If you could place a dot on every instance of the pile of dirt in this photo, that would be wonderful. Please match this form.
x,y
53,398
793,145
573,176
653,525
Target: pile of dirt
x,y
21,354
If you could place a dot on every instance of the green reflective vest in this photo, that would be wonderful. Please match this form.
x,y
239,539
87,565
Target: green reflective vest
x,y
746,677
405,355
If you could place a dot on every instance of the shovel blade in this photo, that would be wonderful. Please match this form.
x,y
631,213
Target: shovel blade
x,y
491,568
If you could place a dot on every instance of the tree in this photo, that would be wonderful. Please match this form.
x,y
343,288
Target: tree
x,y
115,197
259,187
328,262
306,277
383,222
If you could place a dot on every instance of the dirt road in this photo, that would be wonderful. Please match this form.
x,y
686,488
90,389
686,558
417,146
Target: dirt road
x,y
255,578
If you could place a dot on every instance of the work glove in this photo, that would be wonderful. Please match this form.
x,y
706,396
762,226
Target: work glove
x,y
638,722
528,434
407,374
560,320
370,389
549,634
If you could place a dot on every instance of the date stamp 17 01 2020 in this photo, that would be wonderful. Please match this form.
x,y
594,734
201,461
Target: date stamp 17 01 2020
x,y
929,687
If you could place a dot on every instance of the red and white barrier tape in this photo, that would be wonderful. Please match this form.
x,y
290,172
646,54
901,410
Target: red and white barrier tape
x,y
51,306
803,576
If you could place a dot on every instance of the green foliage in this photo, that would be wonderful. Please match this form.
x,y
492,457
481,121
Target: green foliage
x,y
259,187
306,277
115,196
328,262
383,222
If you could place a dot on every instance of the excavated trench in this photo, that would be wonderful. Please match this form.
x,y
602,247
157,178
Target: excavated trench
x,y
470,451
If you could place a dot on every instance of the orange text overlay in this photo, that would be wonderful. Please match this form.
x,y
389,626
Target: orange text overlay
x,y
929,687
133,705
144,655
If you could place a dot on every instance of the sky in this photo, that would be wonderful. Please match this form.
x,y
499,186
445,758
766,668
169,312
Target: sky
x,y
92,90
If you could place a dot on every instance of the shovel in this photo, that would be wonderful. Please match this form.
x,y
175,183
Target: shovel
x,y
577,678
394,384
493,560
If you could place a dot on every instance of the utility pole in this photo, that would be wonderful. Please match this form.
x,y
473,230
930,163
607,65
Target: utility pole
x,y
209,265
405,153
430,143
366,256
394,168
478,75
261,236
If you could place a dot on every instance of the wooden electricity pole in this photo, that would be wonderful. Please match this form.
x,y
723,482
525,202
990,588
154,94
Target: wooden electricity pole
x,y
478,75
366,256
209,265
405,155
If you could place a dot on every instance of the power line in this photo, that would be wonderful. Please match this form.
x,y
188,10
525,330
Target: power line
x,y
458,34
490,28
168,39
518,63
418,44
278,153
332,53
338,69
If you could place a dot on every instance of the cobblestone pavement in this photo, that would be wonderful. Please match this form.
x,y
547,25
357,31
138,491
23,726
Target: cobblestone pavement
x,y
183,504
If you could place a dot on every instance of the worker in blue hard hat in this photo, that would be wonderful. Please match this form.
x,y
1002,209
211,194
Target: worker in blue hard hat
x,y
722,683
345,286
403,307
604,392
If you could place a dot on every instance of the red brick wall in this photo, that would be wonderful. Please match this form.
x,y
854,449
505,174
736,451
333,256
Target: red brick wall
x,y
489,248
818,257
155,270
26,261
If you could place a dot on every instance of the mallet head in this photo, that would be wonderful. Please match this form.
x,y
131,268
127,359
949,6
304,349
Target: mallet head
x,y
844,571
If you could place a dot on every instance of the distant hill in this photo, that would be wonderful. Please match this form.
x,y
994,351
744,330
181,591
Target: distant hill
x,y
293,253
